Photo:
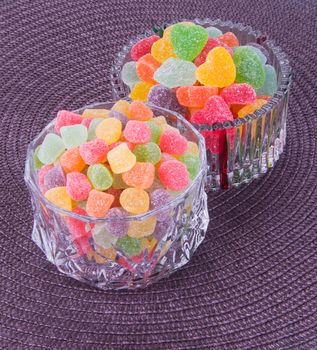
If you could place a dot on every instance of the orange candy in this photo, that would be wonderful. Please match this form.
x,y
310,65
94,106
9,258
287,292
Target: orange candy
x,y
140,176
139,111
146,67
98,203
195,96
229,38
247,109
72,161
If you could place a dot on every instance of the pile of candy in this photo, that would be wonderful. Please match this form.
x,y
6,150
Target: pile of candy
x,y
202,73
111,164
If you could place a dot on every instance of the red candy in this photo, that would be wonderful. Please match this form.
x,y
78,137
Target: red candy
x,y
216,140
66,118
173,143
137,132
174,175
143,47
77,186
239,94
94,151
229,38
211,43
77,227
41,175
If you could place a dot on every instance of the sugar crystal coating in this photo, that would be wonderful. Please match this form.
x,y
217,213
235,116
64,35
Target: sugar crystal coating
x,y
159,198
143,47
121,159
137,132
71,160
229,38
51,148
98,203
94,151
142,228
90,113
192,163
109,130
55,177
66,118
149,152
270,84
77,186
139,111
140,91
102,237
74,135
128,73
135,200
162,50
117,228
59,197
213,32
128,245
174,175
140,176
173,143
195,96
238,94
99,176
146,67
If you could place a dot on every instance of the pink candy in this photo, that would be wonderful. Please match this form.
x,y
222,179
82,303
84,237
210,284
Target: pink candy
x,y
173,143
94,151
137,132
174,175
77,227
77,186
143,47
239,94
66,118
41,176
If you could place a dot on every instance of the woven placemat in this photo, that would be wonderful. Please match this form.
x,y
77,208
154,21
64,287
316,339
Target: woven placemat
x,y
253,282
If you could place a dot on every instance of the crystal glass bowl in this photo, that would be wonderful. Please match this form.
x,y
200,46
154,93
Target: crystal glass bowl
x,y
180,228
242,150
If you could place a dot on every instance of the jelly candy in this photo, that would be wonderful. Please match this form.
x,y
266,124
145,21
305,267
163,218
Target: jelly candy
x,y
211,44
192,148
55,177
143,47
66,118
173,143
139,111
260,54
74,135
248,109
149,152
249,67
92,128
238,94
77,186
140,91
77,227
218,70
41,175
109,130
142,228
215,111
229,38
100,177
140,176
175,72
215,140
116,193
98,203
192,163
262,49
137,132
188,41
213,32
95,113
121,159
86,122
159,198
94,151
118,183
120,116
51,148
135,200
159,121
195,96
128,74
167,127
102,237
163,50
155,131
148,245
72,161
129,246
270,85
37,163
59,197
145,68
117,228
121,106
174,175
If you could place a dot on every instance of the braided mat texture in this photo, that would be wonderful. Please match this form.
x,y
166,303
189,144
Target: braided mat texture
x,y
253,282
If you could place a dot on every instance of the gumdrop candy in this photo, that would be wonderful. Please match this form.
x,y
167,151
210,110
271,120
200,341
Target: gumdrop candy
x,y
140,176
117,227
218,70
37,163
129,246
74,135
92,128
211,44
59,197
116,193
270,85
262,49
188,41
142,228
55,177
109,130
77,186
140,111
260,54
146,67
41,175
167,127
91,113
192,148
217,140
118,183
100,177
128,74
148,246
121,106
238,94
51,148
94,151
249,67
140,91
159,198
192,163
229,38
215,111
195,96
248,109
121,159
102,237
213,32
176,72
137,132
120,116
155,131
98,203
159,120
173,143
77,227
174,175
143,47
163,50
149,153
66,118
135,200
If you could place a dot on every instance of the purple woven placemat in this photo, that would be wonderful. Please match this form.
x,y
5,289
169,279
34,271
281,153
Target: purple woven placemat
x,y
252,283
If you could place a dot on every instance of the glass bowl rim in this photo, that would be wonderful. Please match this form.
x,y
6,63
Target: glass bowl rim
x,y
30,170
283,86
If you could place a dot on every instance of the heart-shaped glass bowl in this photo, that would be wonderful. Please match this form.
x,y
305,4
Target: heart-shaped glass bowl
x,y
242,150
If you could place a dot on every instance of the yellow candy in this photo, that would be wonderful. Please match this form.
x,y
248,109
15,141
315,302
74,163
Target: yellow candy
x,y
162,50
121,106
142,228
59,197
95,113
192,148
168,127
135,200
259,103
148,244
160,120
108,253
140,91
167,31
109,130
218,70
121,159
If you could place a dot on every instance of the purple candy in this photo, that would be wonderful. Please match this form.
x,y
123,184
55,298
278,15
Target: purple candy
x,y
118,228
55,178
262,49
162,227
120,116
158,198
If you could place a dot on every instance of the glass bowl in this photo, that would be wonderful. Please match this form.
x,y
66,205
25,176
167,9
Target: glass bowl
x,y
98,260
242,150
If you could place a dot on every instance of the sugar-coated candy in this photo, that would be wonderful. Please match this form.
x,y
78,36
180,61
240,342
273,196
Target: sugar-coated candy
x,y
102,237
215,140
215,111
146,67
148,246
238,94
211,44
94,151
149,152
213,32
117,227
168,127
137,132
59,197
248,109
77,227
140,176
99,176
116,192
173,143
162,49
135,200
121,159
41,175
74,135
270,84
174,175
229,38
188,41
37,163
66,118
218,70
159,198
51,148
140,91
192,163
142,228
55,177
92,127
159,120
140,111
249,67
77,186
98,203
262,49
260,54
90,113
128,74
120,116
121,106
155,131
129,246
192,148
109,130
176,72
195,96
143,47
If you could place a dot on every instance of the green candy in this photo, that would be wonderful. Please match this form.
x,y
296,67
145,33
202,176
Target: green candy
x,y
128,74
249,67
99,176
270,85
37,163
188,40
130,246
213,32
260,54
148,153
92,128
74,135
192,163
51,148
155,131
